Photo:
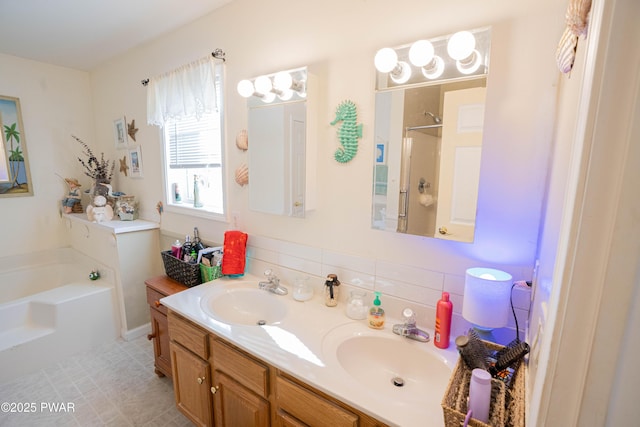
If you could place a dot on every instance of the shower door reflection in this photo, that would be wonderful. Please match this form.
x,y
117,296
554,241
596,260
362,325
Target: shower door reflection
x,y
427,184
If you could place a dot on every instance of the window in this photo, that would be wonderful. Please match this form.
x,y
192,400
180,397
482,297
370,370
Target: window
x,y
193,160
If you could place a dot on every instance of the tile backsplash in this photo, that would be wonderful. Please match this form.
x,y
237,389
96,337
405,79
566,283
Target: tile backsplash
x,y
401,285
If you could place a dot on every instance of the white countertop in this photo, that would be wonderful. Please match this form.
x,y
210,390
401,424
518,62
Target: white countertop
x,y
116,226
300,346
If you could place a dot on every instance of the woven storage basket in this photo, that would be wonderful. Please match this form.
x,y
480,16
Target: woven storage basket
x,y
180,271
507,404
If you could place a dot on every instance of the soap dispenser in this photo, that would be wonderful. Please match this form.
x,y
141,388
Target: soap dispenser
x,y
376,314
331,290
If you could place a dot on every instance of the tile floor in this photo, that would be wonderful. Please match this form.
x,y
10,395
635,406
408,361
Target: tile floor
x,y
112,386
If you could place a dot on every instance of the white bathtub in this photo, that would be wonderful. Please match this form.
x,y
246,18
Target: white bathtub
x,y
50,310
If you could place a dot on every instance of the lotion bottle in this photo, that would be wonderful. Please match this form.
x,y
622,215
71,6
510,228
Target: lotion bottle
x,y
444,308
480,395
376,314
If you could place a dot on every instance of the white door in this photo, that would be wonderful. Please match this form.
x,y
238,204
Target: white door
x,y
463,118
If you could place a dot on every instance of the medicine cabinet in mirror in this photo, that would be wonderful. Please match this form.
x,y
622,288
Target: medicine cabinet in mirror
x,y
429,117
281,143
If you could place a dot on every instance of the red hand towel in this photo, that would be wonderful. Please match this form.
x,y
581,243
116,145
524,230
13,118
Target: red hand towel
x,y
233,259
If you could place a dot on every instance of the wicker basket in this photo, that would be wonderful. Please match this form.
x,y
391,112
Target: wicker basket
x,y
507,403
180,271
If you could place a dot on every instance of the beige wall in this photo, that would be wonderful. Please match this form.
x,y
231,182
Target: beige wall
x,y
55,103
338,45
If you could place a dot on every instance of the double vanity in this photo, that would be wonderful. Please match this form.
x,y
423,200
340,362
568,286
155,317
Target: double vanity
x,y
241,355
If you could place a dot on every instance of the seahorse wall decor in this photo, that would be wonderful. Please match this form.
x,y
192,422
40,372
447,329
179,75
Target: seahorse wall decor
x,y
348,133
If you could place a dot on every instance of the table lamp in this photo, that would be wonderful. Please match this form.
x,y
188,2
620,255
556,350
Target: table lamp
x,y
487,294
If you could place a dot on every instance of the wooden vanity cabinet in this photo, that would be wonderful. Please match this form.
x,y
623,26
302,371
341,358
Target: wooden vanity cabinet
x,y
191,370
244,390
240,387
158,288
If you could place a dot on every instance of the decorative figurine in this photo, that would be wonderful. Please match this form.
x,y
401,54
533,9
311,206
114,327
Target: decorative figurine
x,y
242,175
73,197
132,130
348,133
101,211
123,166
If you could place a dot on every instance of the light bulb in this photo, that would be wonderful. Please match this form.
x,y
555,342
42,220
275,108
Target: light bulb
x,y
263,85
282,81
285,95
434,69
245,88
470,64
268,97
402,73
461,45
421,53
386,60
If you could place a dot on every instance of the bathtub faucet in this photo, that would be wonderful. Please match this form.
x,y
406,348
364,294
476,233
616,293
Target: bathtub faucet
x,y
272,284
409,329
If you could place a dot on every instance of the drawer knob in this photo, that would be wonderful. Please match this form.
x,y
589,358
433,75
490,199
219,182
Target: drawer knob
x,y
214,389
157,303
200,380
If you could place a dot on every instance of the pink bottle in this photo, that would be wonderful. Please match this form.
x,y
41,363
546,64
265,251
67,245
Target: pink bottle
x,y
444,308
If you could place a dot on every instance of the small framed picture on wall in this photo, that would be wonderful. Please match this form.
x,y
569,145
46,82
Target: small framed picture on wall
x,y
135,162
120,133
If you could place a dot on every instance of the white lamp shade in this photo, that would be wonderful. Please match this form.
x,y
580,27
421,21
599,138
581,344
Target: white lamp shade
x,y
487,295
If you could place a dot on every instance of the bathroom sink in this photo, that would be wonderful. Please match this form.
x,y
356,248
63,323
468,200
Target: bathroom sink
x,y
243,305
389,364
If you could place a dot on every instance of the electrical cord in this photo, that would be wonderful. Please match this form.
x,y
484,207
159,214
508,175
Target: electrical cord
x,y
513,310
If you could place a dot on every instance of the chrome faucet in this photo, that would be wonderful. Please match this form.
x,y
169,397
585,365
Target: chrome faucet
x,y
272,284
409,329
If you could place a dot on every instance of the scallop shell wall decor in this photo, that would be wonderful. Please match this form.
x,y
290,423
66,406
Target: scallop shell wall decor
x,y
242,175
242,140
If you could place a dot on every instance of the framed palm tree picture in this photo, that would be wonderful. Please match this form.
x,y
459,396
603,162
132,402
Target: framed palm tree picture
x,y
15,177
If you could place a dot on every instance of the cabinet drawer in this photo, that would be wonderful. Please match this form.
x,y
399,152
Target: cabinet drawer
x,y
153,299
310,408
189,335
241,367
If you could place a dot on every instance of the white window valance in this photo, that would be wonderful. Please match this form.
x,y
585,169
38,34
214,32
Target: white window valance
x,y
189,91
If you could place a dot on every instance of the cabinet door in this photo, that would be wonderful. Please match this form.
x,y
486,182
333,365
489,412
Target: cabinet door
x,y
285,420
235,406
191,384
160,335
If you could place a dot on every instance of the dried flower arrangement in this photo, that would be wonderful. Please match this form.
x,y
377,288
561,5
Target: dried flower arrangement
x,y
100,170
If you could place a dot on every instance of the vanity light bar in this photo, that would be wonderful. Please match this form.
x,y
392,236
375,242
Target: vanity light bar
x,y
454,56
281,86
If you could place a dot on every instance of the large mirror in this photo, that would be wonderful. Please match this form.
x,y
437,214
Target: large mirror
x,y
277,159
428,138
281,168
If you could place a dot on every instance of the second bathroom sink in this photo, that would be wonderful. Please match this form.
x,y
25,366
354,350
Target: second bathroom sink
x,y
389,364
